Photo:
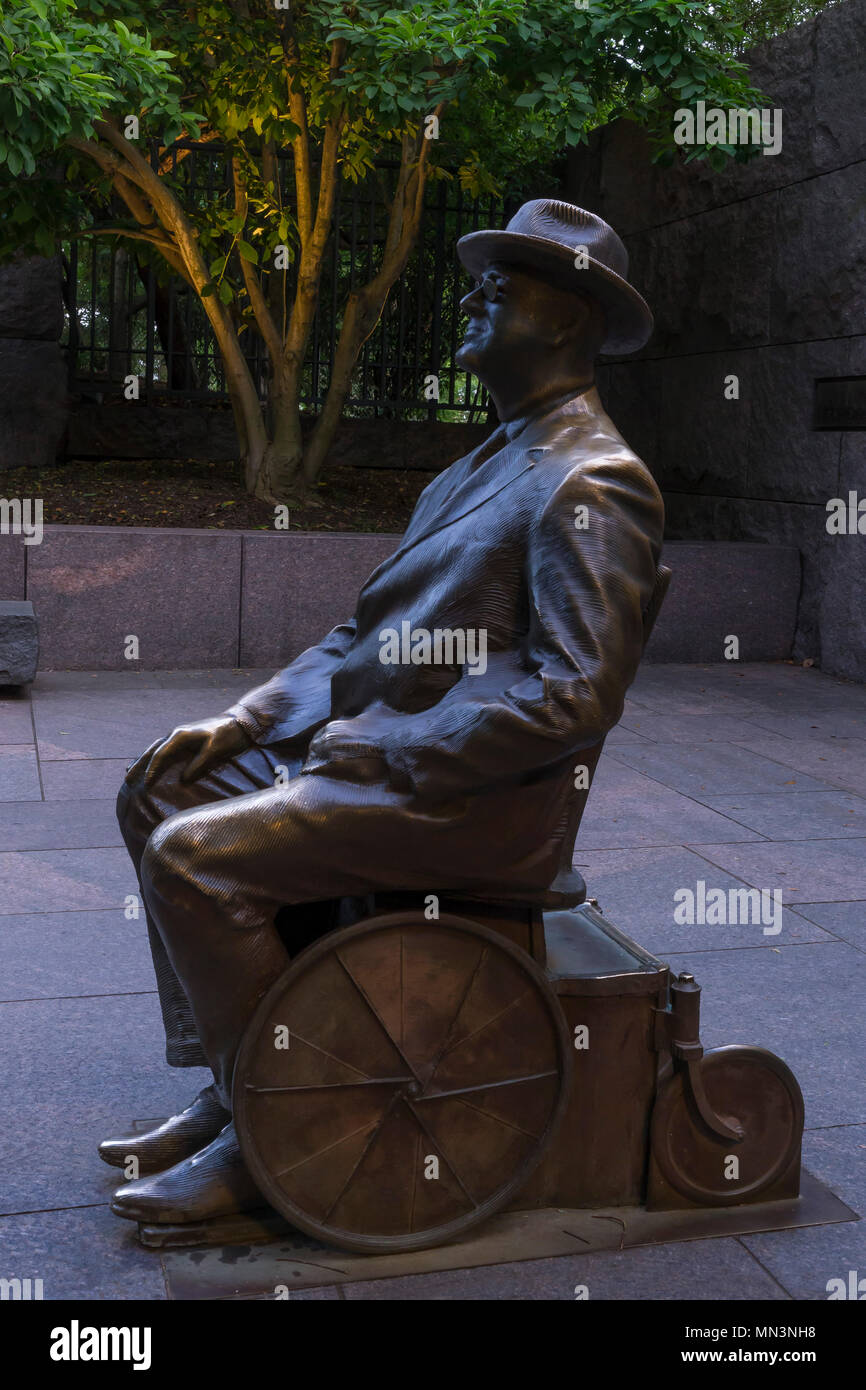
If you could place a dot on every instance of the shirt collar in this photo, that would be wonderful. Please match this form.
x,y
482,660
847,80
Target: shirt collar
x,y
514,427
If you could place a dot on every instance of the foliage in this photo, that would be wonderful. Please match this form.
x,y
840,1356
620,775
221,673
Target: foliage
x,y
511,83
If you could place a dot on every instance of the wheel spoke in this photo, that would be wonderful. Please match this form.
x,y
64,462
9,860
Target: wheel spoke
x,y
481,1027
332,1056
330,1085
487,1086
335,1143
470,985
438,1145
375,1012
508,1124
363,1154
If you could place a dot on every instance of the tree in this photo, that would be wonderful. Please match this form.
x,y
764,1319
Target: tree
x,y
88,93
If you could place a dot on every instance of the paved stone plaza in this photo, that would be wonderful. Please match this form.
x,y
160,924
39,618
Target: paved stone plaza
x,y
728,774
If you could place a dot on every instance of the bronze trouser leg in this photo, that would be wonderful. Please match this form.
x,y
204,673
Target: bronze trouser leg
x,y
139,811
214,877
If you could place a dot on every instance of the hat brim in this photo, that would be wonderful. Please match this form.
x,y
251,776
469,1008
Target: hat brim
x,y
629,317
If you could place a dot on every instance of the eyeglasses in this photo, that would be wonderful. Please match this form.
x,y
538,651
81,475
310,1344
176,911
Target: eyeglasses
x,y
489,287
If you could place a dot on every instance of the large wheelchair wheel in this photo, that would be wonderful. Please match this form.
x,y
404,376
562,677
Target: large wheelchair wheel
x,y
400,1082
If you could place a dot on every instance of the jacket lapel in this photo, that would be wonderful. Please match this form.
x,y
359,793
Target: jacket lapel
x,y
498,472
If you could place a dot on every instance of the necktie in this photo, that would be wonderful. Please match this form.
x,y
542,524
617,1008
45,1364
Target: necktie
x,y
491,446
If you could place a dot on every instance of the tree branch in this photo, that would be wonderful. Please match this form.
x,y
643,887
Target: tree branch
x,y
262,313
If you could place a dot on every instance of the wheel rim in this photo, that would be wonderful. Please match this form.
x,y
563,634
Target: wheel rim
x,y
408,1041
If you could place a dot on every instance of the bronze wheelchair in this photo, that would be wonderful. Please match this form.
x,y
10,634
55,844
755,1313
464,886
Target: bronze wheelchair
x,y
425,1063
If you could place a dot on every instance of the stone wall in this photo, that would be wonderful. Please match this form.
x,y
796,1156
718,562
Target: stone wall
x,y
256,598
32,366
758,271
185,431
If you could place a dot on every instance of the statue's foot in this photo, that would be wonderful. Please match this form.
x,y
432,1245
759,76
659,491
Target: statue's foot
x,y
178,1138
212,1183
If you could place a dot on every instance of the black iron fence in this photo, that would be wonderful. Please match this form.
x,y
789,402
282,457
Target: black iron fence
x,y
123,320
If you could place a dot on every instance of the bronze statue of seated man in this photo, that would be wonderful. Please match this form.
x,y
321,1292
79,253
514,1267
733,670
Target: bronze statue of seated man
x,y
355,770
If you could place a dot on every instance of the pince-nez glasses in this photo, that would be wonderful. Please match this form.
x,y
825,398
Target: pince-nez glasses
x,y
489,287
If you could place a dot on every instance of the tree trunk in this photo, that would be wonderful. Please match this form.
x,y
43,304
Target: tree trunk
x,y
280,477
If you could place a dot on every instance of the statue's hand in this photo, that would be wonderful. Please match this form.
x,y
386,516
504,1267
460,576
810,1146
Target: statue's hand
x,y
204,744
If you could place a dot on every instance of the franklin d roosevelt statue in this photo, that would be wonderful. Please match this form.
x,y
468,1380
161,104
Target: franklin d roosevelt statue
x,y
412,775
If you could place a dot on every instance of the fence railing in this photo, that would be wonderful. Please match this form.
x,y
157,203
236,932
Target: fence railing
x,y
124,320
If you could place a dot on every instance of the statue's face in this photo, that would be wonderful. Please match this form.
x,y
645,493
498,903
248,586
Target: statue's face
x,y
512,313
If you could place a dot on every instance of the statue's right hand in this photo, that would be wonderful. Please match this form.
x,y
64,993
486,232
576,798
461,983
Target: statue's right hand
x,y
203,744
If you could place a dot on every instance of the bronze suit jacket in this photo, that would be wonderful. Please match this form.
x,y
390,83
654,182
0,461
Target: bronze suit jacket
x,y
550,546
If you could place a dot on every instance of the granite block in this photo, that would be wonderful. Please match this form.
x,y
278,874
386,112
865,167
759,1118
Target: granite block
x,y
19,642
297,587
177,591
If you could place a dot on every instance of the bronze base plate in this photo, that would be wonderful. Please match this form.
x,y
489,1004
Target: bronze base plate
x,y
253,1256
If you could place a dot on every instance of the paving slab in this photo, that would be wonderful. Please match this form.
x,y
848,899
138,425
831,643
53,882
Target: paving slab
x,y
685,728
19,773
80,1254
806,1261
845,920
27,825
712,769
16,720
820,871
77,725
90,1065
82,779
62,880
636,889
841,762
58,954
626,808
808,816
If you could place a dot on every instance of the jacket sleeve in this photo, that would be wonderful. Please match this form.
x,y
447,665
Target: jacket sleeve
x,y
587,589
297,699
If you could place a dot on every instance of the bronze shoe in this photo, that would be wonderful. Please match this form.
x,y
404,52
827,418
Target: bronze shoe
x,y
212,1183
175,1139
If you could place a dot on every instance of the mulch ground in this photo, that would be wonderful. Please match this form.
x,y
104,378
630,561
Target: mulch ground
x,y
209,496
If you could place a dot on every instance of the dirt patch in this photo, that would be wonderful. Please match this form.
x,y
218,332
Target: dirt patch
x,y
209,496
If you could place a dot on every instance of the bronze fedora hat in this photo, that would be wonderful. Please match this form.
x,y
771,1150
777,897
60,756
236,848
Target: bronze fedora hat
x,y
546,235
